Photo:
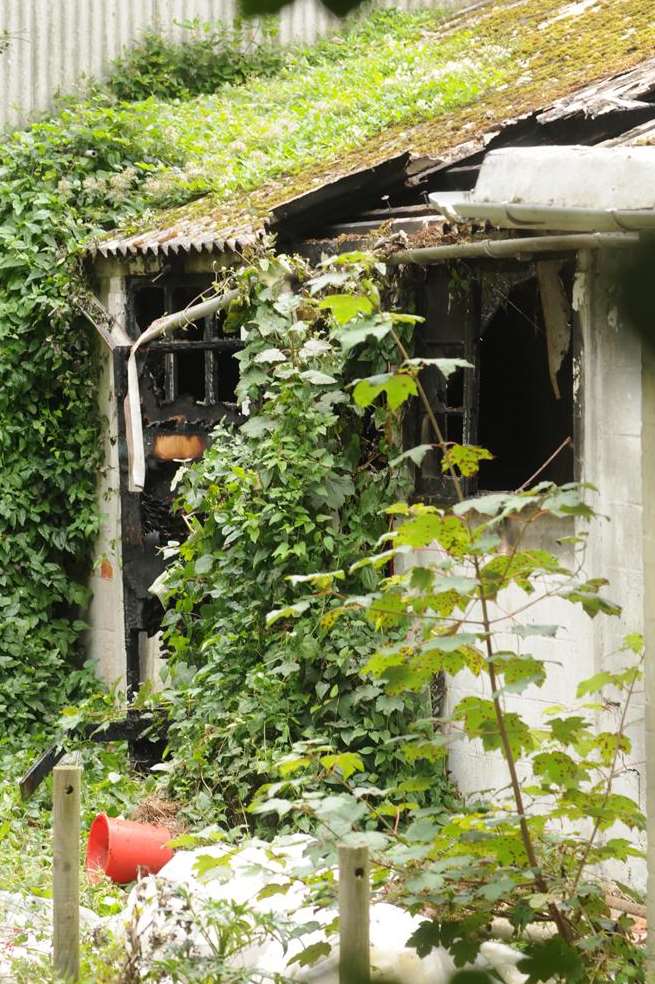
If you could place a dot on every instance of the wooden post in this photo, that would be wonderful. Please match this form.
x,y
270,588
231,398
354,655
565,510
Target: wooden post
x,y
66,869
354,956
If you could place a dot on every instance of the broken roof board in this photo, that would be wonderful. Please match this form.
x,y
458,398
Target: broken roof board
x,y
565,56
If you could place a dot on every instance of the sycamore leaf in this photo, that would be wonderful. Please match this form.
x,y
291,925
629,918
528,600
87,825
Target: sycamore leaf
x,y
204,863
597,682
550,959
364,328
549,631
322,580
635,642
317,378
464,458
314,347
557,768
345,307
609,744
273,888
258,426
567,731
270,356
427,528
425,938
346,763
431,750
445,366
397,386
311,954
520,672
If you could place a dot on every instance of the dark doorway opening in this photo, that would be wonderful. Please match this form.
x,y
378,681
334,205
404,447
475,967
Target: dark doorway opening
x,y
520,419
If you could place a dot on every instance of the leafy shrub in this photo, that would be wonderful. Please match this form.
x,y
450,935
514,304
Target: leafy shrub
x,y
211,56
532,853
297,489
59,181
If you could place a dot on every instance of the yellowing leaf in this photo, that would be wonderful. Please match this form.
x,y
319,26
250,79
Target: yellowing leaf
x,y
345,307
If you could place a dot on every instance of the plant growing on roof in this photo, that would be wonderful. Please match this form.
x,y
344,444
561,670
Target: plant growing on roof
x,y
530,855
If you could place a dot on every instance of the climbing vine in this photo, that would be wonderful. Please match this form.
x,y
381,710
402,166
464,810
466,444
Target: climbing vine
x,y
298,487
59,181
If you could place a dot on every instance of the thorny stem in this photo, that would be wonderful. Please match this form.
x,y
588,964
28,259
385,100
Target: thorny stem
x,y
526,837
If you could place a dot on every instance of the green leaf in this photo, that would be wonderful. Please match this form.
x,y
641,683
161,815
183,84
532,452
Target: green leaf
x,y
204,564
311,954
345,307
425,938
552,959
291,611
346,763
397,386
464,458
622,680
204,863
273,888
520,672
416,454
558,769
269,356
568,730
445,366
364,328
317,378
258,425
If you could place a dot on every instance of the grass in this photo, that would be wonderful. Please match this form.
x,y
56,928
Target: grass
x,y
396,82
108,785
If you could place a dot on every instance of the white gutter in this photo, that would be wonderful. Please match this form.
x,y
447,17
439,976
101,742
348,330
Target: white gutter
x,y
459,207
499,248
132,403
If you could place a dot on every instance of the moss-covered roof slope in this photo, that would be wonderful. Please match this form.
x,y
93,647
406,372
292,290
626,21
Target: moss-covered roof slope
x,y
397,82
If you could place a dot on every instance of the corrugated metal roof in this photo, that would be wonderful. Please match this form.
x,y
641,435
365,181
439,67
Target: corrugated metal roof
x,y
424,148
188,235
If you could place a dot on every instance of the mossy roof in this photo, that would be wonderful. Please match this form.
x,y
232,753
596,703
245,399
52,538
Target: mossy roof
x,y
420,83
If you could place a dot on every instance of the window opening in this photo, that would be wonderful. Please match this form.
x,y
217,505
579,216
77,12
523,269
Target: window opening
x,y
520,419
494,319
197,363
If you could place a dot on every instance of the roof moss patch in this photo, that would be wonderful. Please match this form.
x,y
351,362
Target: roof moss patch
x,y
397,82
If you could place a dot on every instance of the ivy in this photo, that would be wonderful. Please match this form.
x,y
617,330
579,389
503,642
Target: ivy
x,y
59,181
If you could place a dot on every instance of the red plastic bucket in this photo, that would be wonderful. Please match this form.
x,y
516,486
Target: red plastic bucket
x,y
122,849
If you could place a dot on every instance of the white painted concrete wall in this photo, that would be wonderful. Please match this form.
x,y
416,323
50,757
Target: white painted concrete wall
x,y
56,42
106,636
611,392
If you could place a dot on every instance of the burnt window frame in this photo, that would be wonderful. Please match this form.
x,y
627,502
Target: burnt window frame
x,y
454,328
211,344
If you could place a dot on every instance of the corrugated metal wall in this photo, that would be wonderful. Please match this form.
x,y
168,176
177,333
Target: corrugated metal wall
x,y
54,42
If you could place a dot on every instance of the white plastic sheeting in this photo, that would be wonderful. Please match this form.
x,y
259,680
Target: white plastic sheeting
x,y
55,42
171,914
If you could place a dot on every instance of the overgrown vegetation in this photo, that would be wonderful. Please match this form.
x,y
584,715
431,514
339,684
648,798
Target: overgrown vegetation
x,y
210,56
298,488
334,684
529,854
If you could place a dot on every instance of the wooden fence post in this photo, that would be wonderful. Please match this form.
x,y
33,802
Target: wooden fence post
x,y
66,868
354,957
